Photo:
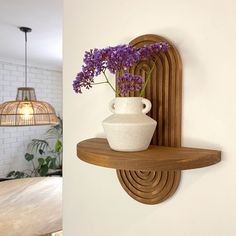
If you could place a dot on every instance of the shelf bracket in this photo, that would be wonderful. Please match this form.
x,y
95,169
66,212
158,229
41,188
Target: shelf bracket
x,y
149,187
165,93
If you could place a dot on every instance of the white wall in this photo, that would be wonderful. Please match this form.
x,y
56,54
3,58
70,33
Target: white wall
x,y
204,32
48,87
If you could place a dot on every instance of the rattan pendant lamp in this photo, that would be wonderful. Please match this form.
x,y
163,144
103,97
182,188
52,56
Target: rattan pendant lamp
x,y
26,110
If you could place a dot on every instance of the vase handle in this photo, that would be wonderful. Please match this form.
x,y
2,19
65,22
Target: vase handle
x,y
112,105
148,105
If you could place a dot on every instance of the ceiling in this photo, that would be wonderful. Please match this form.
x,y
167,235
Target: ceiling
x,y
44,42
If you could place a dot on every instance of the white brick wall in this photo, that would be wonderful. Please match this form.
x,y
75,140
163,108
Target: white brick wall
x,y
48,87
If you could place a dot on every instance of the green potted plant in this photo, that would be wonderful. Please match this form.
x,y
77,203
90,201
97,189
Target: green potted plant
x,y
45,155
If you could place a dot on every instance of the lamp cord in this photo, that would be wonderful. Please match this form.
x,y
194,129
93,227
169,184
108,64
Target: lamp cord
x,y
25,59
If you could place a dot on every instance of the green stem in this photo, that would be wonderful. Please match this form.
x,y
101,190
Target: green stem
x,y
147,80
109,82
35,170
33,164
61,160
105,82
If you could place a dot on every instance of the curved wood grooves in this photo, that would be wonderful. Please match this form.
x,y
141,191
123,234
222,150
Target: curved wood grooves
x,y
149,176
165,92
149,187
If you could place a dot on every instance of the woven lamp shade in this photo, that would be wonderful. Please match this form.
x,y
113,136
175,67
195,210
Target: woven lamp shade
x,y
26,110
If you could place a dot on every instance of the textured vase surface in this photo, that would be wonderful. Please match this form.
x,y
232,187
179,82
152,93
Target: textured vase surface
x,y
129,129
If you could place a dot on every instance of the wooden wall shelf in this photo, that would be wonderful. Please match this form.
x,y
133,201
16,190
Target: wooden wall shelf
x,y
149,176
153,175
97,151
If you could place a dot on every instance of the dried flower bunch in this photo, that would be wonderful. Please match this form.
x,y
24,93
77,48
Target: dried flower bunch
x,y
117,60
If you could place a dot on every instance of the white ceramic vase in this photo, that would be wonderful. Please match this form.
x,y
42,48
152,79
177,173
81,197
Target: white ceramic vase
x,y
129,129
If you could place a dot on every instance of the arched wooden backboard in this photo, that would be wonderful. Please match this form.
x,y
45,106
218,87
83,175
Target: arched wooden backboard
x,y
164,90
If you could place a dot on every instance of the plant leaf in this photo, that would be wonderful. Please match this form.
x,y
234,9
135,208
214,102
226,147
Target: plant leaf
x,y
16,174
43,170
55,132
41,161
38,144
52,164
11,173
58,146
29,156
41,152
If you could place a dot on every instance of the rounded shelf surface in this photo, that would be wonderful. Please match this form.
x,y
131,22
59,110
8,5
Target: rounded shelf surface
x,y
97,151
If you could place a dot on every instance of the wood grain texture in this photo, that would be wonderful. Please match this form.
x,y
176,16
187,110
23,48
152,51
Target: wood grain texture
x,y
157,158
149,187
153,175
165,92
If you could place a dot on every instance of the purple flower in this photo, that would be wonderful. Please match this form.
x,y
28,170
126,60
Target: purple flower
x,y
115,59
153,49
121,58
94,61
128,82
82,80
